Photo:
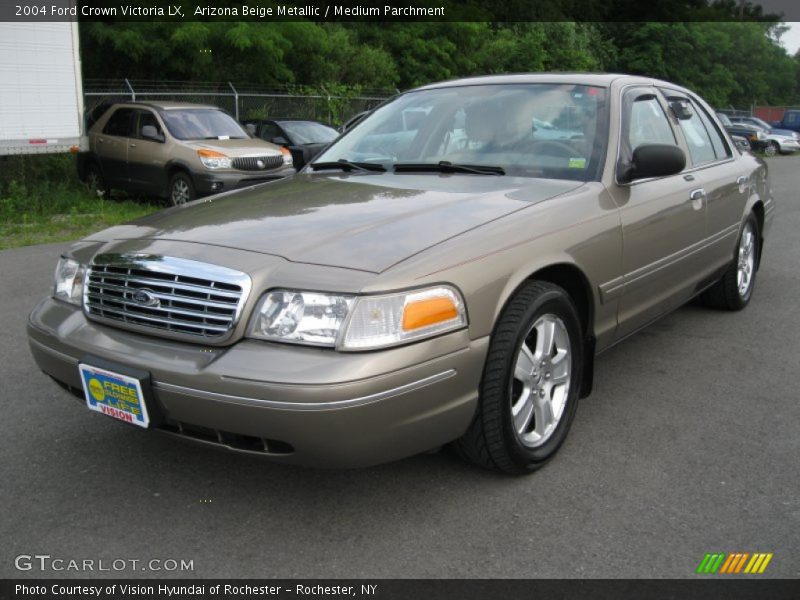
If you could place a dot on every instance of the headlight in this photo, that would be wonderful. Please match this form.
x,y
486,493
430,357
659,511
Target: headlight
x,y
300,317
287,156
69,281
760,135
357,323
212,159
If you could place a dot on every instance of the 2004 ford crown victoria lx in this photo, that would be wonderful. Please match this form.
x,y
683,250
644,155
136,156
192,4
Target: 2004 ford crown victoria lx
x,y
445,272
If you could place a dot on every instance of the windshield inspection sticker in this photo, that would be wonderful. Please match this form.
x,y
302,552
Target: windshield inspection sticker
x,y
577,163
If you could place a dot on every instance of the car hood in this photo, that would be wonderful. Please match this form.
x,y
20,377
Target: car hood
x,y
238,147
367,222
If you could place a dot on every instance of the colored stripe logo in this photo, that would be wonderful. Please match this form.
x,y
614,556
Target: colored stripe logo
x,y
734,563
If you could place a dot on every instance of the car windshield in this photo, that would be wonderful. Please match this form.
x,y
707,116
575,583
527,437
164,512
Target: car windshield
x,y
309,132
530,130
202,124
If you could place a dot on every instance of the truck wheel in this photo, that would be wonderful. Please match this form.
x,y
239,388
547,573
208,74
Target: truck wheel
x,y
181,189
734,290
531,382
95,182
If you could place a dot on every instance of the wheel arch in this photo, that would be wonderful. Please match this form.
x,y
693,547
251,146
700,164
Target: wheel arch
x,y
755,205
573,280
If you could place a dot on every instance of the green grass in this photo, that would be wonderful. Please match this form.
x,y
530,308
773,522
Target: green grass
x,y
42,201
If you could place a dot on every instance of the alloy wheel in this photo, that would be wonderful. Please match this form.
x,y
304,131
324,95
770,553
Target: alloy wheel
x,y
541,380
746,260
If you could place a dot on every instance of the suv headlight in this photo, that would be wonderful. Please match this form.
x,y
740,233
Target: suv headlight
x,y
287,156
212,159
357,322
69,278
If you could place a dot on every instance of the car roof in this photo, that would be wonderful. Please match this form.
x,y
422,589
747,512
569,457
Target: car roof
x,y
168,105
284,120
593,79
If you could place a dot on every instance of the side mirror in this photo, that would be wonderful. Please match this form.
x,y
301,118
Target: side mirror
x,y
653,160
280,141
149,132
251,129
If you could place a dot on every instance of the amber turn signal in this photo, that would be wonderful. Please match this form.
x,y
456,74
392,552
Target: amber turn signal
x,y
430,311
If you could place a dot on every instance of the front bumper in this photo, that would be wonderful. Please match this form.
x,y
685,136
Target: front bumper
x,y
214,182
789,145
294,404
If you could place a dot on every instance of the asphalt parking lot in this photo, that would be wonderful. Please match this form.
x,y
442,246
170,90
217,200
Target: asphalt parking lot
x,y
689,444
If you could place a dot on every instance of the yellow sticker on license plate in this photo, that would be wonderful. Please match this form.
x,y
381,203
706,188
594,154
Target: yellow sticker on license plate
x,y
114,394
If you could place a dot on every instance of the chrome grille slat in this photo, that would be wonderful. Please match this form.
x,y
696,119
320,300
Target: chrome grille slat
x,y
250,163
173,323
167,296
150,283
165,312
179,298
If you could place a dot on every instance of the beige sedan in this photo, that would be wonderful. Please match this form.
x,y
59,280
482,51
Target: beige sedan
x,y
445,272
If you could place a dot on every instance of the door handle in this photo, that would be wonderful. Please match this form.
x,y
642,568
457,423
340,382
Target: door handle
x,y
101,140
133,145
697,196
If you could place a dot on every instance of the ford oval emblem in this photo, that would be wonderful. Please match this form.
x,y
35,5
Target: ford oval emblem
x,y
145,297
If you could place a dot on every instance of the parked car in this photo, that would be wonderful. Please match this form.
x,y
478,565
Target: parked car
x,y
741,142
176,150
454,286
784,141
755,135
304,139
790,120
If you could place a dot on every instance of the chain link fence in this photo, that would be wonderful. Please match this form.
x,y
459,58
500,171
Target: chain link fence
x,y
242,101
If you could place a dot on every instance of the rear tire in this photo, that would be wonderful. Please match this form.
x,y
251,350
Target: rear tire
x,y
181,189
531,383
734,290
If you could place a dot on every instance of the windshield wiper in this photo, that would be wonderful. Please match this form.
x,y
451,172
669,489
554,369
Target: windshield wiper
x,y
444,166
348,165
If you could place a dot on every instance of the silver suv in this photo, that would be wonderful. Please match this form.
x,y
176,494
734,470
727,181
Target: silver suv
x,y
176,150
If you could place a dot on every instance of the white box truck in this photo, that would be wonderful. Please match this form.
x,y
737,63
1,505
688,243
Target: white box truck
x,y
41,95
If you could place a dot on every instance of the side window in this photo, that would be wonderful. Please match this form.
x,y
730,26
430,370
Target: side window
x,y
120,123
791,117
269,131
648,124
144,118
721,148
697,138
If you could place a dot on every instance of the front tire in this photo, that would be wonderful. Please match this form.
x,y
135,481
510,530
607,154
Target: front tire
x,y
772,149
181,189
531,382
734,290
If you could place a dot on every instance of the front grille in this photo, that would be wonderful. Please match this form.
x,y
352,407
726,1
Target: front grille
x,y
157,293
257,163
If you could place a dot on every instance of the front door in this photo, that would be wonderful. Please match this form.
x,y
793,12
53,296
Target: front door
x,y
146,160
663,220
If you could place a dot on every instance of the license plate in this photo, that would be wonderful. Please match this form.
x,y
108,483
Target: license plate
x,y
114,394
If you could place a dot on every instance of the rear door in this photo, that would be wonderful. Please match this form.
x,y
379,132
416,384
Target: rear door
x,y
111,146
719,176
663,219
